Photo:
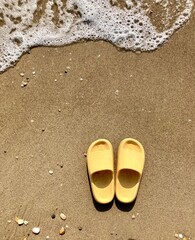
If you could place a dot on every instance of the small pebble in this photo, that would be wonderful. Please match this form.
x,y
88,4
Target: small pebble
x,y
62,216
20,222
55,80
50,172
176,235
81,79
59,110
62,231
17,157
67,226
47,237
33,73
133,216
36,230
85,154
53,216
25,222
22,74
9,221
80,228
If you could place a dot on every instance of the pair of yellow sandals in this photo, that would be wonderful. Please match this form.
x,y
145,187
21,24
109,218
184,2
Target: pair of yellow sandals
x,y
130,164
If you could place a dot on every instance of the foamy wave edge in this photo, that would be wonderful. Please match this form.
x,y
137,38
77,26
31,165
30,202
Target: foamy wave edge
x,y
130,28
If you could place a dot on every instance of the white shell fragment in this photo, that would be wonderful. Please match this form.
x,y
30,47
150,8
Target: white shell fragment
x,y
36,230
62,216
50,172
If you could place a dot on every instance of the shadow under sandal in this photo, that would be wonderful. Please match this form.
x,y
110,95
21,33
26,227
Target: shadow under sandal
x,y
100,164
130,164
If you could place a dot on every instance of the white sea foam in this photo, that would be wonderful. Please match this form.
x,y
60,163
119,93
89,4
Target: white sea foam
x,y
142,25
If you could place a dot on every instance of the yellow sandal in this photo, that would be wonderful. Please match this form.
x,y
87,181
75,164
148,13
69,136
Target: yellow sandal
x,y
130,164
100,164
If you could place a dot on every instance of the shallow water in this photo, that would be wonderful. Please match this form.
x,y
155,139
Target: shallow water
x,y
141,25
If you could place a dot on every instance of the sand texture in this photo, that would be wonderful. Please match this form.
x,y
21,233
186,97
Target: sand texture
x,y
49,124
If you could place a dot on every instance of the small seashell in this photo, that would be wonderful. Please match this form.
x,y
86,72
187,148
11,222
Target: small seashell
x,y
50,172
36,230
62,231
180,235
22,74
62,216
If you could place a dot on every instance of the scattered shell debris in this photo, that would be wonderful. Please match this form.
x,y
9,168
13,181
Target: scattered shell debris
x,y
62,231
62,216
50,172
24,84
181,236
36,230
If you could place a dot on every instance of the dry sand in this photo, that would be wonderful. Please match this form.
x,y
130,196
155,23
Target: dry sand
x,y
155,104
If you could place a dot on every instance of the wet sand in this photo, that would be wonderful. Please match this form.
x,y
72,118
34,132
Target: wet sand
x,y
99,92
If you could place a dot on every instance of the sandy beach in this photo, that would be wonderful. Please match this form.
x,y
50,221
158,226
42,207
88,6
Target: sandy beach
x,y
75,94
